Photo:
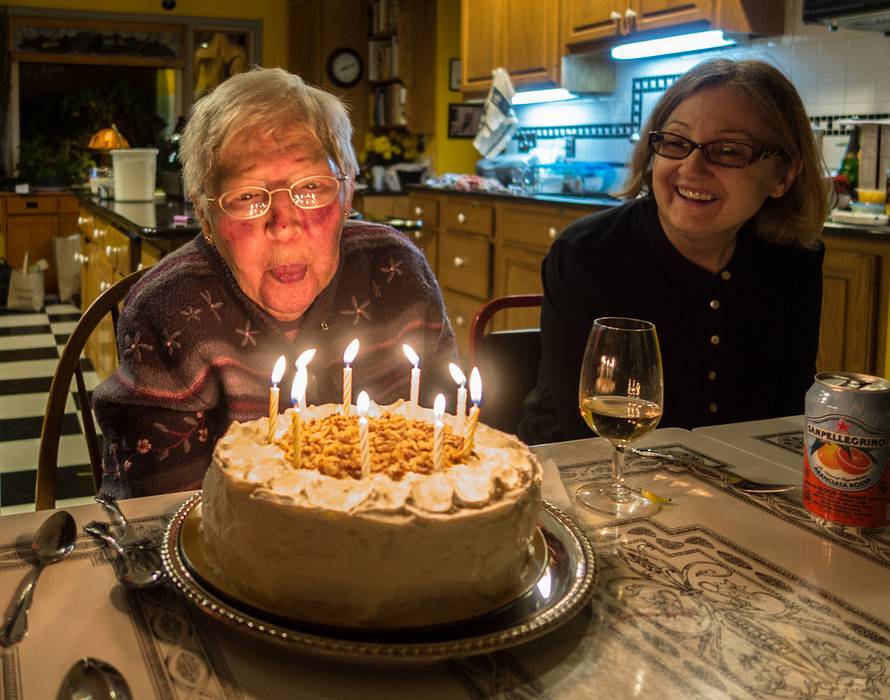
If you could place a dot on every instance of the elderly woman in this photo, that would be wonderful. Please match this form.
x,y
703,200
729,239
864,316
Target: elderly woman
x,y
718,247
277,268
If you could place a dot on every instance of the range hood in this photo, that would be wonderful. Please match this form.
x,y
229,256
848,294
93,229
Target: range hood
x,y
862,15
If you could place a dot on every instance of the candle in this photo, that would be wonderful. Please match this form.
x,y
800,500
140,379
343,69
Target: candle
x,y
461,412
473,420
297,397
361,406
302,363
438,432
415,375
274,393
348,357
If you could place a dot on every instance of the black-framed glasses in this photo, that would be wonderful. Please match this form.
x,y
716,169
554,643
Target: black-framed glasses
x,y
726,153
251,202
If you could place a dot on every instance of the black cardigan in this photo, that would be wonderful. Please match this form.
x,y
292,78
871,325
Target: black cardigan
x,y
737,345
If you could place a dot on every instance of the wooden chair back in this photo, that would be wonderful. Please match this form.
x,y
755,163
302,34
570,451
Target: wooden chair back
x,y
68,368
507,360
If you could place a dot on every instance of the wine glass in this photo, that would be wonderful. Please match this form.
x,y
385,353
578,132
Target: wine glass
x,y
621,396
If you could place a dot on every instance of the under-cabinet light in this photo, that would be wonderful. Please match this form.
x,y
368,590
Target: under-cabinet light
x,y
536,96
683,43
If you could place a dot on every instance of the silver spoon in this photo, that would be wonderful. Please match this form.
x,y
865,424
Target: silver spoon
x,y
141,564
92,679
53,541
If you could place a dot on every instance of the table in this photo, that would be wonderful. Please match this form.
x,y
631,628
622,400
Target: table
x,y
719,594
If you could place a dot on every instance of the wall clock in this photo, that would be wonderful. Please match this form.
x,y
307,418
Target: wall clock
x,y
345,67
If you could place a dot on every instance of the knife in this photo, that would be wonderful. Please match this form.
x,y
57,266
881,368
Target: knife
x,y
733,480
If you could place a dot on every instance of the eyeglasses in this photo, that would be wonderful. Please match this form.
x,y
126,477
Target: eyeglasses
x,y
725,153
252,202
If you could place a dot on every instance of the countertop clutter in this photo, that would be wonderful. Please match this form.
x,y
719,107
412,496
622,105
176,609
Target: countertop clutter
x,y
163,218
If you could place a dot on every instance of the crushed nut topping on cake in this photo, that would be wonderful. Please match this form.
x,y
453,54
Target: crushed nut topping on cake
x,y
398,445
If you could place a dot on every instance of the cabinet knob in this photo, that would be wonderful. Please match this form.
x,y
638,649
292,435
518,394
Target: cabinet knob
x,y
418,235
458,261
418,212
615,15
551,232
81,220
460,321
109,250
140,266
461,218
104,285
629,13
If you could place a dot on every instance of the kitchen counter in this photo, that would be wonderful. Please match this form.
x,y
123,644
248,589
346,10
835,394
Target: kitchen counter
x,y
575,200
149,220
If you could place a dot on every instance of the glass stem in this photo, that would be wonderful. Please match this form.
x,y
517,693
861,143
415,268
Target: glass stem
x,y
618,470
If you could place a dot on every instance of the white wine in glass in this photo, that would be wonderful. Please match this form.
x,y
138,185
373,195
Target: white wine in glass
x,y
620,395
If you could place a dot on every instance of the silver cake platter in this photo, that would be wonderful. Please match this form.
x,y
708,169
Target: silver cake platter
x,y
559,584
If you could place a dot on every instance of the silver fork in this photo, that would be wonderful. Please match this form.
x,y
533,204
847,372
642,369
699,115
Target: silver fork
x,y
129,534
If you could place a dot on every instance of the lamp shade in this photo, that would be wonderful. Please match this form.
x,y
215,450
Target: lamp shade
x,y
106,139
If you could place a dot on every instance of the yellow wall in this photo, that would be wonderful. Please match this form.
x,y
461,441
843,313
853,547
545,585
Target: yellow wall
x,y
273,14
449,155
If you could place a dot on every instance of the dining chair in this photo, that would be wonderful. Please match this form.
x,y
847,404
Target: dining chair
x,y
507,360
69,367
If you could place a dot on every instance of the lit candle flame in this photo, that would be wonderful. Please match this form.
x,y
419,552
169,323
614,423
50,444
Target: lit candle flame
x,y
351,352
278,371
475,385
456,374
305,358
363,403
410,354
298,388
439,406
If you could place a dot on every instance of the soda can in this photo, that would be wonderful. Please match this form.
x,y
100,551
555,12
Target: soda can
x,y
846,477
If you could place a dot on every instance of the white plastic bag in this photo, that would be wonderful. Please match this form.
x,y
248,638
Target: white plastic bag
x,y
25,289
67,267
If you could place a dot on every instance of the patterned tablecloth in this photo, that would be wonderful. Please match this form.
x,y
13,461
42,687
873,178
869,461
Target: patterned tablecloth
x,y
719,594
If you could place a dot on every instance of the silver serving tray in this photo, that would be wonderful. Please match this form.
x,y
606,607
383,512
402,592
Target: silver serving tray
x,y
561,584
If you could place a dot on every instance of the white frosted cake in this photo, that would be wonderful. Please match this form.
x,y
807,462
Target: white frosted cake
x,y
407,546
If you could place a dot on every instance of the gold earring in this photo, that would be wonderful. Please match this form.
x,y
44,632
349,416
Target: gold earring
x,y
346,212
207,237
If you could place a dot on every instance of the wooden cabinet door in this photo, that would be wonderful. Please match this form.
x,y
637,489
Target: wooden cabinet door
x,y
846,338
518,272
33,233
480,45
659,14
585,22
529,43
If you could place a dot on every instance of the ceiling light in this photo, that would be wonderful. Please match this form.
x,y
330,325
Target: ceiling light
x,y
684,43
537,96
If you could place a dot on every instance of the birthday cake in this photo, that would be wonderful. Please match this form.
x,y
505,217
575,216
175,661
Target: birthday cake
x,y
410,544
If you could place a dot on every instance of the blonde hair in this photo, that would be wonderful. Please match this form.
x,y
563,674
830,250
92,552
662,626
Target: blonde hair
x,y
798,215
262,101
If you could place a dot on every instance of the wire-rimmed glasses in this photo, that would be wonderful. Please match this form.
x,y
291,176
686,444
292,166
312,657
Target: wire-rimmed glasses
x,y
726,153
253,201
621,394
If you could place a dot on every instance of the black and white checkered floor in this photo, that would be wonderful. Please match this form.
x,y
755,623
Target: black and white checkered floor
x,y
30,346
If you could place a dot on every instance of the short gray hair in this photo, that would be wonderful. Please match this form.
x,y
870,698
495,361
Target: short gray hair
x,y
264,100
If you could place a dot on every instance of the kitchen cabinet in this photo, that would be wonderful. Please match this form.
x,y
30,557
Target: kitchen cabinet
x,y
425,209
488,246
855,304
30,223
586,24
520,36
107,255
379,207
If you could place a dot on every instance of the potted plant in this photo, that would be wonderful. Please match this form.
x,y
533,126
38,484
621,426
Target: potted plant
x,y
44,164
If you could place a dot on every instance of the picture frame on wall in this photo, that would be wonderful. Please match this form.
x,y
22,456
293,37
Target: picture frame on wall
x,y
454,75
463,120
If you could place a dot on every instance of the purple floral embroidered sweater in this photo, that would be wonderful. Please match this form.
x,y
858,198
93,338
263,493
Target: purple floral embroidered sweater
x,y
196,353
